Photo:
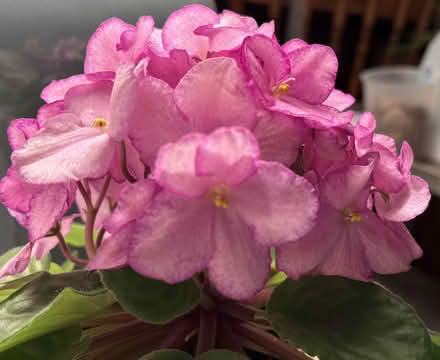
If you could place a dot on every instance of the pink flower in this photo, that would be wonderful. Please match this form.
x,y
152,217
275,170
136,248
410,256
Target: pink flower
x,y
214,93
220,209
81,141
296,80
349,239
36,207
37,249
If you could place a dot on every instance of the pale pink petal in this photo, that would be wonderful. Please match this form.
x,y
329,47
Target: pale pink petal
x,y
57,89
240,266
132,202
281,205
173,241
64,152
135,166
267,29
89,101
214,93
315,116
386,141
170,68
293,44
144,29
46,207
388,246
113,252
155,43
20,130
409,202
49,111
156,120
122,102
228,154
16,194
349,187
175,168
314,71
230,18
102,53
222,38
303,257
18,263
339,100
387,175
280,137
178,30
406,158
265,62
363,133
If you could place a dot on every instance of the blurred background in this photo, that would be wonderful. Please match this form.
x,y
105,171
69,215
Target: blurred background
x,y
389,60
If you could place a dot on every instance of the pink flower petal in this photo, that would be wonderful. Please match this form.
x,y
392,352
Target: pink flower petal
x,y
280,205
18,263
173,240
155,43
406,158
349,187
16,194
363,133
293,44
48,111
213,94
62,152
240,266
57,89
113,252
339,100
122,102
102,53
178,30
20,130
156,120
387,175
409,202
279,137
315,116
46,207
228,154
89,101
230,18
132,202
170,68
314,69
175,168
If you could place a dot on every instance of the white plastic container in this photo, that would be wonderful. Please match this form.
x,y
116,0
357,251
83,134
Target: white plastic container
x,y
405,105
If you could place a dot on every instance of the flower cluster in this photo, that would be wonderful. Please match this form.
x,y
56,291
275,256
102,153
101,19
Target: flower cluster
x,y
178,145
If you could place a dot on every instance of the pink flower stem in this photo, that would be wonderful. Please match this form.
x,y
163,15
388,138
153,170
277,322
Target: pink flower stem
x,y
268,341
65,249
207,331
92,211
124,167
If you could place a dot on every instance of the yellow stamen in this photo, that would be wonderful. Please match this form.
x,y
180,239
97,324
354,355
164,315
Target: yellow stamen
x,y
351,216
100,123
280,89
218,196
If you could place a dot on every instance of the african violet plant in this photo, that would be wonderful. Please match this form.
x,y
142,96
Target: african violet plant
x,y
230,205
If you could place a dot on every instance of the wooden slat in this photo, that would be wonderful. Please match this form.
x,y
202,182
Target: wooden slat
x,y
274,9
362,50
236,5
399,21
338,24
422,25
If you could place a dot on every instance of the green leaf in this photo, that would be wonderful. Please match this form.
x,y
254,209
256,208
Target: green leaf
x,y
7,288
62,344
68,265
48,303
435,338
341,319
167,355
54,268
180,355
153,301
76,235
276,279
